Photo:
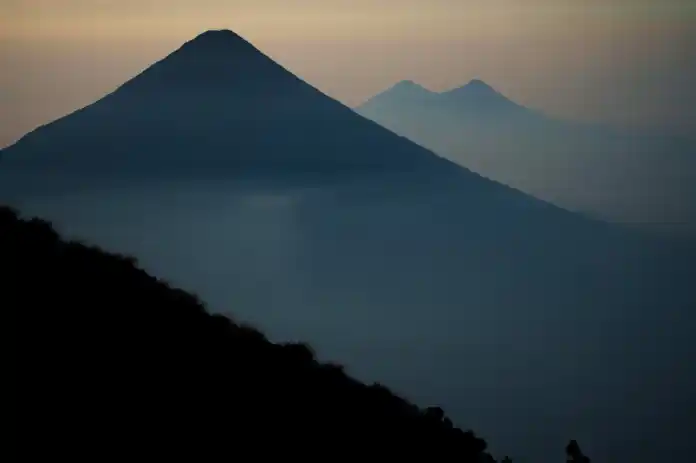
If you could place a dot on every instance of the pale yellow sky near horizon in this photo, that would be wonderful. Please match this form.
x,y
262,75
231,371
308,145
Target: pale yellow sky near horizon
x,y
619,61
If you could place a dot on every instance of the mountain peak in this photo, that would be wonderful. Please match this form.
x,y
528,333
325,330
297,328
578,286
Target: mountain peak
x,y
409,87
222,40
476,86
217,37
218,34
478,92
407,83
480,98
478,83
213,59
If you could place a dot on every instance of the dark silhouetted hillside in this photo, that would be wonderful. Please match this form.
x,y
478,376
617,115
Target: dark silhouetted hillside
x,y
112,361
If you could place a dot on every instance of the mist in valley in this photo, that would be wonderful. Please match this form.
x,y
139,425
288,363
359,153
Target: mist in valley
x,y
398,285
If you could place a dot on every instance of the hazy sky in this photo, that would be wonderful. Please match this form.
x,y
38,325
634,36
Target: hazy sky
x,y
623,61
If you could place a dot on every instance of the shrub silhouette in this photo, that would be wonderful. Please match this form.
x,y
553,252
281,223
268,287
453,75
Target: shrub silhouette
x,y
108,361
574,454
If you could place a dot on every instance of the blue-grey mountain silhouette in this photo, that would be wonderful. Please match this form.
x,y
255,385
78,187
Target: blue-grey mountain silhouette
x,y
474,102
215,106
480,98
229,176
619,175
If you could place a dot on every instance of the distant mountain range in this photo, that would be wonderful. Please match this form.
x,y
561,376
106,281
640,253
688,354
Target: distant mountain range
x,y
618,175
476,98
226,174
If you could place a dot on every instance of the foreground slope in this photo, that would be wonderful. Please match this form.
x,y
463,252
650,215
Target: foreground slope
x,y
620,175
108,359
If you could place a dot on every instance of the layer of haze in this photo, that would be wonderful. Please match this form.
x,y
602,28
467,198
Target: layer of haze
x,y
619,61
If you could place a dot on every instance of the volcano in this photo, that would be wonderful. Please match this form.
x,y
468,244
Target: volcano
x,y
217,105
